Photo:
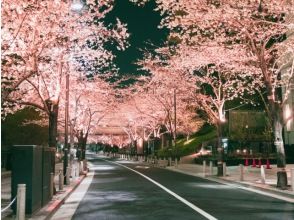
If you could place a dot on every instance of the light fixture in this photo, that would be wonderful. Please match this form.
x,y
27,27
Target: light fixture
x,y
76,5
288,116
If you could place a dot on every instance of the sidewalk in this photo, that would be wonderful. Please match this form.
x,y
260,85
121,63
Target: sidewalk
x,y
48,210
252,177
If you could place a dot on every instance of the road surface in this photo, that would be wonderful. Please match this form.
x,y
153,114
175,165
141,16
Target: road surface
x,y
127,190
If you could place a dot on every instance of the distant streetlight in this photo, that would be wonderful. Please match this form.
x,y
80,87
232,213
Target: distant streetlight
x,y
175,124
175,118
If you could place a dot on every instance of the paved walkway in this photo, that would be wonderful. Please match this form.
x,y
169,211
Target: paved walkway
x,y
252,176
47,211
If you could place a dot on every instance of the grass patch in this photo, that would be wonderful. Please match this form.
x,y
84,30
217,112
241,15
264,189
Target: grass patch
x,y
191,146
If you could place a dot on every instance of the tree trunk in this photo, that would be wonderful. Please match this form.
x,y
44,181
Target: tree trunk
x,y
279,144
82,142
276,115
53,116
276,112
52,139
220,149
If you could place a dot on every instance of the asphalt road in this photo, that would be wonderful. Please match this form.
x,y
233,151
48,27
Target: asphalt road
x,y
117,192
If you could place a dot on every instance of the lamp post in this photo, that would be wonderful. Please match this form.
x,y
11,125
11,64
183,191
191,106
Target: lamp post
x,y
175,123
75,6
66,148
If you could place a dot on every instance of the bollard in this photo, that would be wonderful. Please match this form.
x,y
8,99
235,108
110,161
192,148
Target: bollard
x,y
292,179
204,168
67,176
241,172
259,163
51,184
262,174
80,168
253,163
210,168
268,165
60,180
21,202
77,168
169,161
176,162
76,171
85,165
246,162
224,169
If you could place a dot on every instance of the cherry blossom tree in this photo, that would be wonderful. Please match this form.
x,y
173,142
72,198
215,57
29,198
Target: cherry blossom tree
x,y
206,88
171,91
255,31
51,40
89,102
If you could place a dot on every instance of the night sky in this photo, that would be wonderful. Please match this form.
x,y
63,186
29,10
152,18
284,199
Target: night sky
x,y
142,24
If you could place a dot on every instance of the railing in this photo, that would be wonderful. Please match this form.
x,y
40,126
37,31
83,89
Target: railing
x,y
21,202
8,206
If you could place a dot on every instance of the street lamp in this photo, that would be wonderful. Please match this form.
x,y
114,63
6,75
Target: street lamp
x,y
175,117
175,128
66,147
75,6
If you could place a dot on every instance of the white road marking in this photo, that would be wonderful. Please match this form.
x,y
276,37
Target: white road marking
x,y
280,197
265,193
192,206
142,167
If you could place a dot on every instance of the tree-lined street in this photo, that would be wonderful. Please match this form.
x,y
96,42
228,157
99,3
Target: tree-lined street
x,y
171,82
117,192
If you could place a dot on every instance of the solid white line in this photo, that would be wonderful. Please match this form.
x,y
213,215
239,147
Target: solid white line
x,y
236,185
192,206
266,194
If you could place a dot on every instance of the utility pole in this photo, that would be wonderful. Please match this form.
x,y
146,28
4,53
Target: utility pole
x,y
66,148
175,120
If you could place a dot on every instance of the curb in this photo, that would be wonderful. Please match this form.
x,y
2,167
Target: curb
x,y
246,185
254,186
50,209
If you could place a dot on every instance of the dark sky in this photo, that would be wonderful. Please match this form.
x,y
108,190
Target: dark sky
x,y
142,24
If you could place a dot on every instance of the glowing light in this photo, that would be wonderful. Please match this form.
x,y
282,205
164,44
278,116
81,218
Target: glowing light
x,y
287,116
76,5
189,141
